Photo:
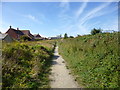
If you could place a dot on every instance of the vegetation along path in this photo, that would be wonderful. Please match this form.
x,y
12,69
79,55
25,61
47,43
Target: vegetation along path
x,y
60,77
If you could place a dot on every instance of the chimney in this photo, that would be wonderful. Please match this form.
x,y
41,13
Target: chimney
x,y
10,27
17,28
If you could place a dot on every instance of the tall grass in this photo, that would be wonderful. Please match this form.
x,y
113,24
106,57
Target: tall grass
x,y
26,64
93,59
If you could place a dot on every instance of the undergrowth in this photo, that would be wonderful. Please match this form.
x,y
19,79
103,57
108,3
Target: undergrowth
x,y
26,65
93,59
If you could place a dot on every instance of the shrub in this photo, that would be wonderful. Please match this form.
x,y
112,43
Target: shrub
x,y
25,66
95,31
25,38
71,37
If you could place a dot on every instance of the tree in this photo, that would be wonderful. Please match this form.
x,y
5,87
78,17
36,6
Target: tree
x,y
60,35
65,36
71,37
78,35
95,31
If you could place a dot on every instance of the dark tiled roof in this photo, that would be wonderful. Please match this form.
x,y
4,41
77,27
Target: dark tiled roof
x,y
16,31
27,32
19,32
37,35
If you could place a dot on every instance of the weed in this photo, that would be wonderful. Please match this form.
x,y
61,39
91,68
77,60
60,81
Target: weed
x,y
93,58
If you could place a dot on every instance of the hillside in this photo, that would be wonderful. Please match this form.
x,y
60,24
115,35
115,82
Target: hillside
x,y
93,59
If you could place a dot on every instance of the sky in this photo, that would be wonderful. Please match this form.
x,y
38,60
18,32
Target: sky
x,y
55,18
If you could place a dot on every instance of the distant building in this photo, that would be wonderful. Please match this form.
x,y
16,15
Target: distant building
x,y
6,38
108,31
50,38
38,37
16,34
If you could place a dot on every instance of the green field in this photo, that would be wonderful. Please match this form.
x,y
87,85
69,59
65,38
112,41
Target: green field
x,y
26,64
93,59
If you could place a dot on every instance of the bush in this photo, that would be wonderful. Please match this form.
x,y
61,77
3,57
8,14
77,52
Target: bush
x,y
25,38
71,37
95,31
25,66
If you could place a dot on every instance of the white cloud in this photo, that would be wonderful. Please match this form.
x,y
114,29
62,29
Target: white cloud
x,y
4,26
81,9
94,13
65,20
111,26
33,18
64,4
81,25
3,30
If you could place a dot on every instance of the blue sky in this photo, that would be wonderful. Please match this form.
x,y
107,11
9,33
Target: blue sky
x,y
55,18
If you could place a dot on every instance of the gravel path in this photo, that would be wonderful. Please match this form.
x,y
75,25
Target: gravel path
x,y
60,77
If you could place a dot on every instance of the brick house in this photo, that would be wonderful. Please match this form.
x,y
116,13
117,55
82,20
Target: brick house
x,y
16,34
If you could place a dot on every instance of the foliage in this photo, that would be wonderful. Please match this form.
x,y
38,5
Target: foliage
x,y
95,31
25,38
71,37
65,36
26,65
93,59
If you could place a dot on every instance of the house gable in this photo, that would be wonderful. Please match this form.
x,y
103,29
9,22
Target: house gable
x,y
16,34
12,33
6,38
27,32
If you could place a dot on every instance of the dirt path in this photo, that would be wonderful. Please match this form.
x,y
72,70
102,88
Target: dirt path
x,y
60,77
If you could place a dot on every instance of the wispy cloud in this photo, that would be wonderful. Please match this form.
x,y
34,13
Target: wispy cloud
x,y
113,25
94,13
64,18
64,5
33,18
4,26
81,24
81,9
3,29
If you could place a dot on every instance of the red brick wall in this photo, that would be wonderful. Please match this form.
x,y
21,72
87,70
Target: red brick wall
x,y
12,34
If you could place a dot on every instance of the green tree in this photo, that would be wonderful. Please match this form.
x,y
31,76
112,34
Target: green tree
x,y
71,37
65,36
95,31
78,35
